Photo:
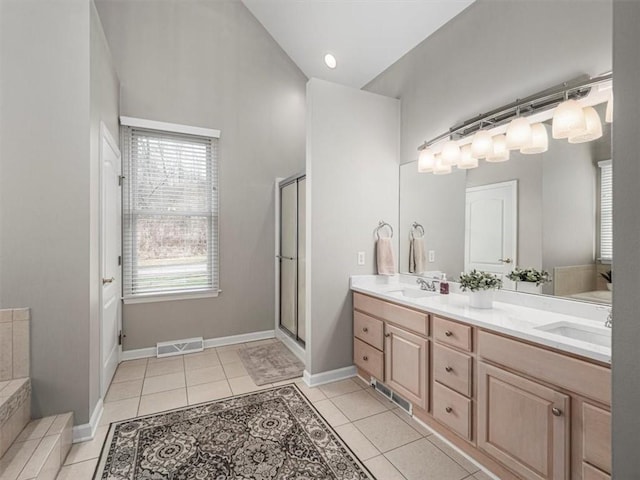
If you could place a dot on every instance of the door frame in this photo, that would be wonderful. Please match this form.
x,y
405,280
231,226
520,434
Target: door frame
x,y
105,136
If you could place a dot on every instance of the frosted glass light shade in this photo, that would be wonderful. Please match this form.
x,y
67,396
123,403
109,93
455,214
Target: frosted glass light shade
x,y
539,140
593,130
481,144
518,133
568,120
500,152
426,161
608,114
466,158
450,153
440,167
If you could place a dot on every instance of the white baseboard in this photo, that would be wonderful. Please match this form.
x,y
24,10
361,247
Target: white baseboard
x,y
86,431
208,343
292,345
328,377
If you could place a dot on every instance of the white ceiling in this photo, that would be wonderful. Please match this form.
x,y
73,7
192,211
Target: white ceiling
x,y
365,36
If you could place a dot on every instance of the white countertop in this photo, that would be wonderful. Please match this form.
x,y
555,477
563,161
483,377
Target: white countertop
x,y
508,318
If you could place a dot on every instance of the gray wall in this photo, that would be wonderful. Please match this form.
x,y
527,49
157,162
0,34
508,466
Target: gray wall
x,y
45,214
211,64
352,184
626,228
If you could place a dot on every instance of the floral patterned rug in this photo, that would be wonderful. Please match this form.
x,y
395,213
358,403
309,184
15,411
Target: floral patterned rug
x,y
270,434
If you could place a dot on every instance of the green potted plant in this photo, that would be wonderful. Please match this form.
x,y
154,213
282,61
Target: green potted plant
x,y
608,276
481,286
529,280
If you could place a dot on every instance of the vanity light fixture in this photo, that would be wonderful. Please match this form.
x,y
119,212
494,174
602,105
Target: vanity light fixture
x,y
330,61
539,140
426,161
608,114
593,130
518,133
500,152
440,167
450,153
482,144
568,119
466,158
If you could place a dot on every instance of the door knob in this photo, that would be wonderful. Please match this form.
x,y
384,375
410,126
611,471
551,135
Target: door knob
x,y
365,358
448,333
448,369
387,334
108,280
365,329
505,260
556,411
448,409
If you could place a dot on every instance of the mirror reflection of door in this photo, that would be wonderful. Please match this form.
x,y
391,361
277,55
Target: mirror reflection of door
x,y
491,225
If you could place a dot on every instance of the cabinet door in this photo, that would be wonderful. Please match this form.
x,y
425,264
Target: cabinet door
x,y
406,364
523,424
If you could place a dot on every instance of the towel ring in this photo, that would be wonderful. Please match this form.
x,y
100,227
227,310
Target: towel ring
x,y
380,226
416,227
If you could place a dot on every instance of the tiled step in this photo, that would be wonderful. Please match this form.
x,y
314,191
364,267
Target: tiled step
x,y
40,450
15,410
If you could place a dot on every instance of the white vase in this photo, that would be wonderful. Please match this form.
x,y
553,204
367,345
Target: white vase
x,y
610,287
481,299
528,287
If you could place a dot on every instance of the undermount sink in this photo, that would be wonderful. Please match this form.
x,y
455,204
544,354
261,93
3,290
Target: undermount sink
x,y
412,293
584,333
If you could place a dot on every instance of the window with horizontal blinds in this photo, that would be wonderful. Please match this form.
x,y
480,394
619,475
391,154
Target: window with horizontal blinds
x,y
170,213
606,210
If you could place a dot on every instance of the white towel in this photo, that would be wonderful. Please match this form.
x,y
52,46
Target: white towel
x,y
384,257
417,255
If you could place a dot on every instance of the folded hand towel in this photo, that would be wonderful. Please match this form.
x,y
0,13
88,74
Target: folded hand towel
x,y
384,257
417,255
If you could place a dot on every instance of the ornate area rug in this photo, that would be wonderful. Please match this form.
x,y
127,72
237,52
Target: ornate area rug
x,y
270,434
270,363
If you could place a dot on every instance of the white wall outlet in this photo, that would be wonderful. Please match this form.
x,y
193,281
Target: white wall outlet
x,y
432,256
360,258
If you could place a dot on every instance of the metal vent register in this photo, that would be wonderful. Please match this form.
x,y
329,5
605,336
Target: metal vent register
x,y
179,347
393,396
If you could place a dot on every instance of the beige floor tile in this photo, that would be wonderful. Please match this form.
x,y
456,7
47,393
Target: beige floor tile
x,y
382,399
257,343
78,471
235,369
339,388
136,362
205,375
422,460
357,442
230,348
122,390
405,417
36,429
83,451
330,413
383,468
284,382
14,459
240,385
163,383
159,402
127,371
205,359
228,356
120,410
481,476
361,382
386,431
164,366
458,457
357,405
313,394
208,391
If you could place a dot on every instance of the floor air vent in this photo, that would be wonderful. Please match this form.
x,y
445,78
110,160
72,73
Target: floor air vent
x,y
179,347
393,396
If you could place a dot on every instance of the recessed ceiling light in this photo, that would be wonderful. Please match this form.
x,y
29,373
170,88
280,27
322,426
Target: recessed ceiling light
x,y
330,60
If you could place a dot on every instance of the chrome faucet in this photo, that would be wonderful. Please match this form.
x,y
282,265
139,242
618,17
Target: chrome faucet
x,y
609,321
425,285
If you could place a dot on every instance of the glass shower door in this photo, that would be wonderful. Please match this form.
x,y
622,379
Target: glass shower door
x,y
288,257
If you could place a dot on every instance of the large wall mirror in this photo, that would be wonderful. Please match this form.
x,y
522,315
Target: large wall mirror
x,y
539,211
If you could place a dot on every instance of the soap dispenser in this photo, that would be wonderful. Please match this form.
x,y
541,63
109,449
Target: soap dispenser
x,y
444,285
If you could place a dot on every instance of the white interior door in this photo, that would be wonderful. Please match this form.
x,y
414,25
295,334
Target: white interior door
x,y
491,226
110,238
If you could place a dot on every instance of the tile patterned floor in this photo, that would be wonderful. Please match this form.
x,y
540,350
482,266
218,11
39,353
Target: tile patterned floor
x,y
391,444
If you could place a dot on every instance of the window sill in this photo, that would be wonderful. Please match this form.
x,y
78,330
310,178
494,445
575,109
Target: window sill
x,y
170,297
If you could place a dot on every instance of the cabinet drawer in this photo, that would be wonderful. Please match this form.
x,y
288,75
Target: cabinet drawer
x,y
368,329
596,437
368,358
404,317
452,409
591,473
452,369
452,333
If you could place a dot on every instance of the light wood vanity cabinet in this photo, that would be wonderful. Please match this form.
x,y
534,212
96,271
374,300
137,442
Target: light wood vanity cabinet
x,y
405,368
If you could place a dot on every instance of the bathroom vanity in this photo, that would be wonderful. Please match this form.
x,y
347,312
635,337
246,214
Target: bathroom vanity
x,y
525,391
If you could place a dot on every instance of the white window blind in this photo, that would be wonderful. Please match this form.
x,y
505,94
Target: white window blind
x,y
606,210
170,213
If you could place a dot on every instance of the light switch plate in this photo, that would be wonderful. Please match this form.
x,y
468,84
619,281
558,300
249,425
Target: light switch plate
x,y
432,256
360,258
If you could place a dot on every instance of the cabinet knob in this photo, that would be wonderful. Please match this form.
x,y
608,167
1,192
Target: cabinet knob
x,y
556,411
448,409
365,329
365,358
448,369
387,334
448,333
